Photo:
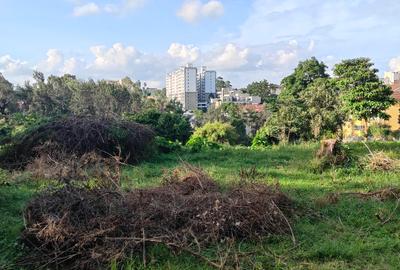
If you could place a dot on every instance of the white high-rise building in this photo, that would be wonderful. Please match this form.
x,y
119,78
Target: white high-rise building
x,y
194,90
181,85
206,87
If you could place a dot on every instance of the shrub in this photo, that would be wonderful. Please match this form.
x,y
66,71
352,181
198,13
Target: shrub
x,y
166,146
216,132
17,124
195,144
331,153
170,125
265,136
81,135
379,131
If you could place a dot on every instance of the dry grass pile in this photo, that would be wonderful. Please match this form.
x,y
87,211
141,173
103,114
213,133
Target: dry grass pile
x,y
78,136
88,228
380,161
66,168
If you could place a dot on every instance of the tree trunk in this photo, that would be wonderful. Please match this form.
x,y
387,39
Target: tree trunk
x,y
366,128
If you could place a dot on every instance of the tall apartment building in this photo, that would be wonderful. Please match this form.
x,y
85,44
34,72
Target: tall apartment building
x,y
191,88
181,85
391,77
206,87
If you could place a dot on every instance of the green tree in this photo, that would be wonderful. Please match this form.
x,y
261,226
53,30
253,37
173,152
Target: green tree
x,y
216,132
170,125
7,97
52,97
290,116
263,89
363,95
321,98
24,96
304,74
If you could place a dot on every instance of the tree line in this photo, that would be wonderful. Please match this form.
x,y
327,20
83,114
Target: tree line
x,y
312,104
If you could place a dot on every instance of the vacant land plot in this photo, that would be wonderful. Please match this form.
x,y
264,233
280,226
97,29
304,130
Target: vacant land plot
x,y
335,227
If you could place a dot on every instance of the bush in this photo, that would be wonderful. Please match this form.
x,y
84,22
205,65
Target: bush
x,y
331,154
265,136
78,136
172,126
196,144
166,146
17,124
379,132
216,132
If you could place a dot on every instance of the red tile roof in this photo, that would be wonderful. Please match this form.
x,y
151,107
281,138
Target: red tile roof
x,y
253,107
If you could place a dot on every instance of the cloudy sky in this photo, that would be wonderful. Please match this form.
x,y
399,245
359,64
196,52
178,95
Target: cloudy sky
x,y
244,40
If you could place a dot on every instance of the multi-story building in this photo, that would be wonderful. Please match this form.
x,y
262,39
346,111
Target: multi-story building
x,y
391,77
206,87
191,88
181,85
229,95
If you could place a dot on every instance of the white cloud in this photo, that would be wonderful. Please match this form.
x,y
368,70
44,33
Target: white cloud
x,y
116,57
15,70
12,66
86,9
194,10
213,9
231,57
52,63
117,8
286,57
394,64
188,53
73,65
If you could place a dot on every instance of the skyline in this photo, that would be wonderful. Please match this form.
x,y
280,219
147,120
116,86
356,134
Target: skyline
x,y
243,41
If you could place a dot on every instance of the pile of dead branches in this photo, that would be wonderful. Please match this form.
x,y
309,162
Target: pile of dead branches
x,y
79,136
88,228
380,161
65,168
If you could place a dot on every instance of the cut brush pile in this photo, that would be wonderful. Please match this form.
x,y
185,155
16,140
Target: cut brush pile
x,y
79,136
81,228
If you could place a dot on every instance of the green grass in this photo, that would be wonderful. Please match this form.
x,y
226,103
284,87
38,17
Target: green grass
x,y
346,235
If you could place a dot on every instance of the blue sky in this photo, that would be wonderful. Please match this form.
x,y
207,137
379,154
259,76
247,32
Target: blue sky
x,y
244,40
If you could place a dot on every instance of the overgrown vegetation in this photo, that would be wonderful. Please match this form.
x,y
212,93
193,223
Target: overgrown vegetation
x,y
78,136
186,213
350,232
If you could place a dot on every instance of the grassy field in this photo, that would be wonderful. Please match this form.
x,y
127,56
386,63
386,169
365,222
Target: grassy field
x,y
342,235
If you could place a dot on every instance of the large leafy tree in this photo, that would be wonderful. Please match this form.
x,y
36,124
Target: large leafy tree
x,y
304,74
363,95
52,97
323,107
263,89
7,96
291,116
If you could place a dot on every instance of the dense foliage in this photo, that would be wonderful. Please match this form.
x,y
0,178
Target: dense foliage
x,y
213,133
364,96
263,89
170,125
